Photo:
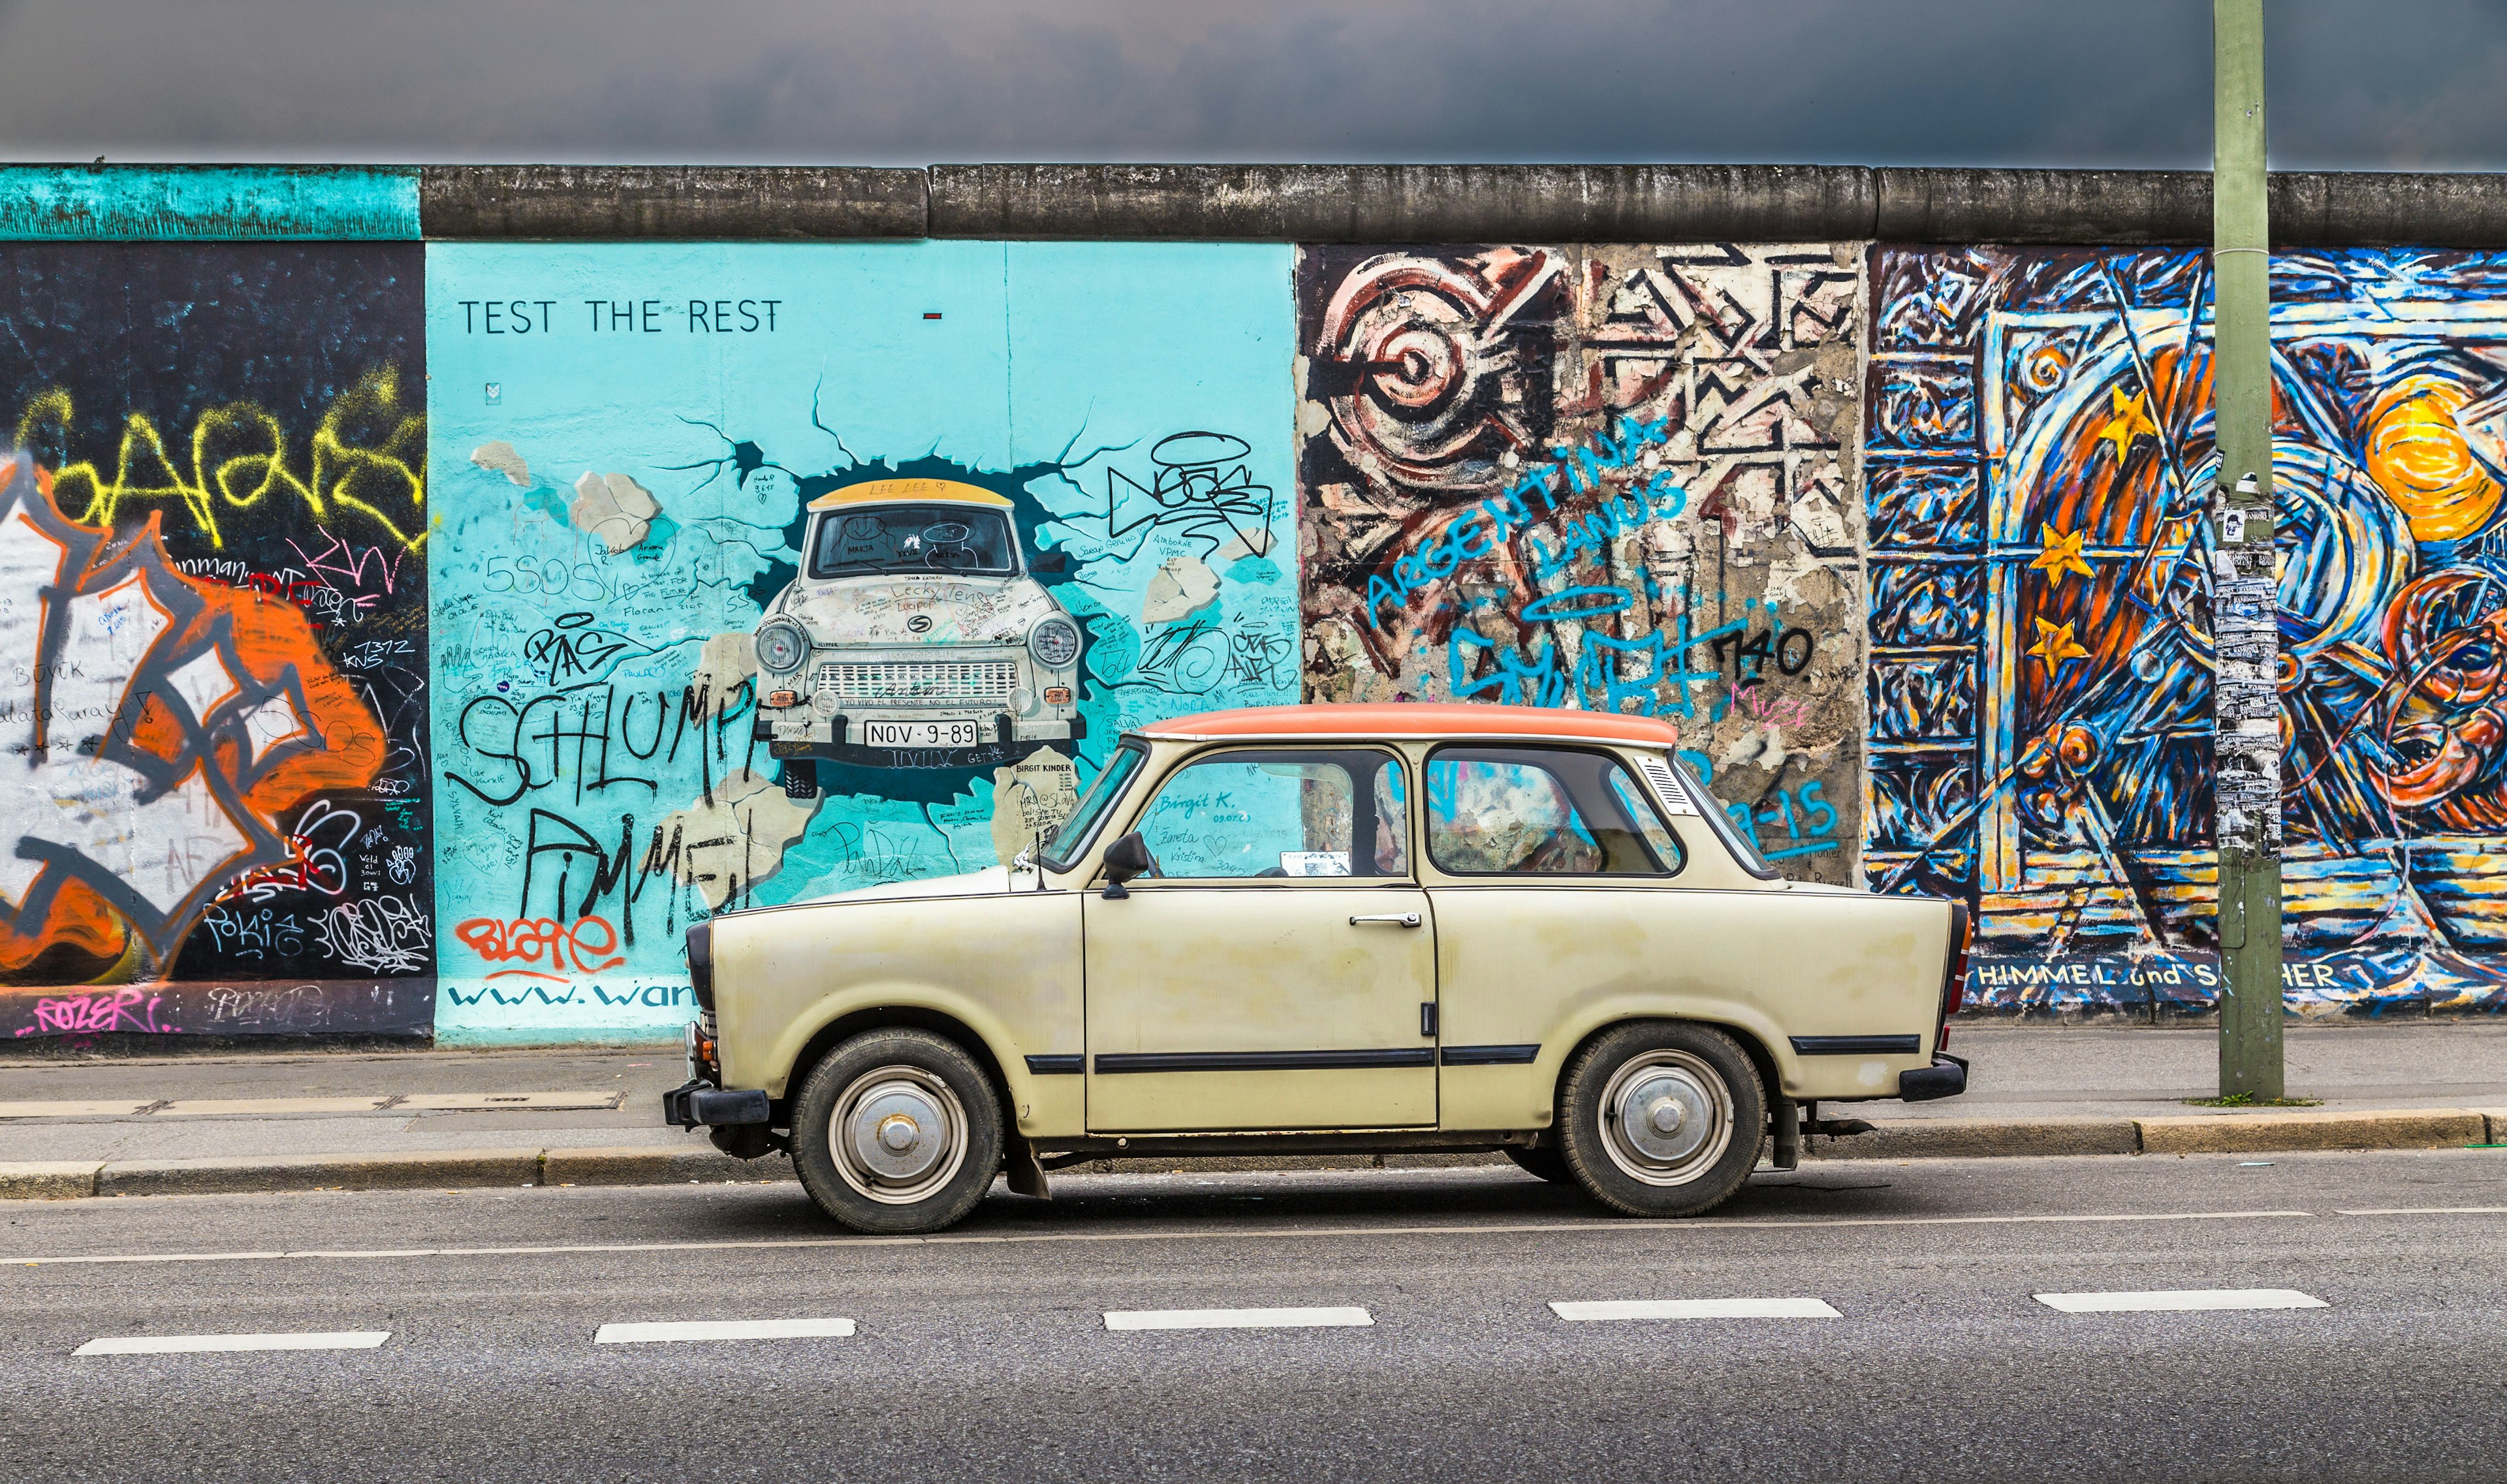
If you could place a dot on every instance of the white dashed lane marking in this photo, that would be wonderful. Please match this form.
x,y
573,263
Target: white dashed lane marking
x,y
2181,1301
197,1344
725,1329
1698,1309
1236,1318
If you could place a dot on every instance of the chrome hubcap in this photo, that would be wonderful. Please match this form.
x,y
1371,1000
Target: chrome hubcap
x,y
1666,1117
898,1133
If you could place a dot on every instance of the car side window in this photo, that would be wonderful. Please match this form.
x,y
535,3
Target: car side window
x,y
1539,812
1631,799
1276,812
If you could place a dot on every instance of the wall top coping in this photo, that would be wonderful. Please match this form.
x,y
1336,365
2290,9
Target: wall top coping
x,y
1226,202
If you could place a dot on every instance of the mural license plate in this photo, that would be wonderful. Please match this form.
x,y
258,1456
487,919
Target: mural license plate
x,y
922,734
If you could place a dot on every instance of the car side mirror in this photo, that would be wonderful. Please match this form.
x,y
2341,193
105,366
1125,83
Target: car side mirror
x,y
1053,562
1125,858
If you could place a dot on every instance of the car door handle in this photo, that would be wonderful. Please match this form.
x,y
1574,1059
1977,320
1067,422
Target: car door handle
x,y
1390,919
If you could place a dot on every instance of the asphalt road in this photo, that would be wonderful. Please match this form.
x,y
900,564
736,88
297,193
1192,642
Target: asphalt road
x,y
985,1354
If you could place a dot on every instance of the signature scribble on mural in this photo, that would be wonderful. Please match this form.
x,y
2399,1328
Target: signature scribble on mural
x,y
367,458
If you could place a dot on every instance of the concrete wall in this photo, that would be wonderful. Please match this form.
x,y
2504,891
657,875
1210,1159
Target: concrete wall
x,y
346,706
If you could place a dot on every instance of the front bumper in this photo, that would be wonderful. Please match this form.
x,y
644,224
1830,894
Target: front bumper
x,y
701,1102
697,1104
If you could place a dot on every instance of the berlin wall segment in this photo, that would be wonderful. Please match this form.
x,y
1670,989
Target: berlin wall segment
x,y
213,604
2038,458
1090,435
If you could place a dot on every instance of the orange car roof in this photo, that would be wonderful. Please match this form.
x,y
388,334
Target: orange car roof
x,y
1415,719
881,491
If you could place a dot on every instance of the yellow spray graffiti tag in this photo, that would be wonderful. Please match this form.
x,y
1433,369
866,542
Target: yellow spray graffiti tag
x,y
240,453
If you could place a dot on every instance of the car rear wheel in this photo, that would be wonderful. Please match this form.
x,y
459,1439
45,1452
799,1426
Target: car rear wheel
x,y
1661,1118
896,1131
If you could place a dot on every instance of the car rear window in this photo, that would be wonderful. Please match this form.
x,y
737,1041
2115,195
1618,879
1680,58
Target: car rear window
x,y
1538,812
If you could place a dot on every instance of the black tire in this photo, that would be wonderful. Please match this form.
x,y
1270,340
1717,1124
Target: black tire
x,y
1696,1077
801,778
1543,1162
874,1080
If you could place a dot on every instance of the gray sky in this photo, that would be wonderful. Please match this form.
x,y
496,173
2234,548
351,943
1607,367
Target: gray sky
x,y
2355,84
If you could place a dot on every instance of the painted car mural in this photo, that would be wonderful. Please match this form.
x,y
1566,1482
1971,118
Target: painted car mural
x,y
915,635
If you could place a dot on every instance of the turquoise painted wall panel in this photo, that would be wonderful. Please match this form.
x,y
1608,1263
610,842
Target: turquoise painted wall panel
x,y
626,438
208,204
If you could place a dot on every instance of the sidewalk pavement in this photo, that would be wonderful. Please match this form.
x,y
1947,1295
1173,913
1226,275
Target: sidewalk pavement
x,y
304,1120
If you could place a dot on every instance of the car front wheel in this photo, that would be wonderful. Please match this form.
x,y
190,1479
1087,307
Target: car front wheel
x,y
896,1132
1661,1118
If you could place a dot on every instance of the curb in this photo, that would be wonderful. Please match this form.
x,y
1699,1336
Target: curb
x,y
2255,1133
2265,1131
1980,1138
2268,1133
435,1168
646,1166
48,1180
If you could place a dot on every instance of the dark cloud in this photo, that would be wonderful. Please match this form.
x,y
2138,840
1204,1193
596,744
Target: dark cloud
x,y
1974,82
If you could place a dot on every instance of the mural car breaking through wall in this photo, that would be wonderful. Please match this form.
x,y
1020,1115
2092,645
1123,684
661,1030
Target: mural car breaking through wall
x,y
772,571
213,604
2039,456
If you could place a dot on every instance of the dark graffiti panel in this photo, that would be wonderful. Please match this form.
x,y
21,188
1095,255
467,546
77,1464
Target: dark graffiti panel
x,y
213,603
2039,463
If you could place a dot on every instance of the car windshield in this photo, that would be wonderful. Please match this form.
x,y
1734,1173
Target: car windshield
x,y
1073,838
913,538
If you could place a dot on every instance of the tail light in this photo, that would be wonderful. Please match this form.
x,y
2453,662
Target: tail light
x,y
1954,977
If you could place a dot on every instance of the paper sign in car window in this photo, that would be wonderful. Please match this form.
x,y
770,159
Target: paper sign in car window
x,y
1314,862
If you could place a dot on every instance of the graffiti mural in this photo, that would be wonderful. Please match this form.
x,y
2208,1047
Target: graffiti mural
x,y
766,572
2038,460
1610,477
213,614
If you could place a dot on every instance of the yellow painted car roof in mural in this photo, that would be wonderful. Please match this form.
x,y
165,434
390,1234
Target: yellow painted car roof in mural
x,y
884,491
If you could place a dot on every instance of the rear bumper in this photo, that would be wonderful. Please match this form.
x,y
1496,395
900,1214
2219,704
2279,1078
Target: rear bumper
x,y
1946,1077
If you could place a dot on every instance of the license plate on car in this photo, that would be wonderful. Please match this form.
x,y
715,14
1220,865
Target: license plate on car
x,y
922,734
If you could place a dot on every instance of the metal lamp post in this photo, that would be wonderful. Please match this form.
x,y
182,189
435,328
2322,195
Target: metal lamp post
x,y
2245,695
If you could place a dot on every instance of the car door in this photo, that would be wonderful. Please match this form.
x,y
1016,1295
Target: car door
x,y
1277,970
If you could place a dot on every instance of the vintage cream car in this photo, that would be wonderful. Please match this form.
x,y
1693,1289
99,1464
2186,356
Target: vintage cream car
x,y
1345,929
916,635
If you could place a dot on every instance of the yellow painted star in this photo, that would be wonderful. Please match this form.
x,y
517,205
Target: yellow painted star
x,y
2062,554
2128,421
2056,645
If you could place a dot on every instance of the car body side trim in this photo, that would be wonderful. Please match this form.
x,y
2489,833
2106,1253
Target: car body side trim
x,y
1857,1045
1491,1056
1070,1065
1112,1062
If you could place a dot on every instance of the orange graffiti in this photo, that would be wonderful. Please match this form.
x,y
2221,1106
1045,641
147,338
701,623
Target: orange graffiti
x,y
570,947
